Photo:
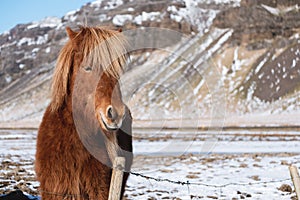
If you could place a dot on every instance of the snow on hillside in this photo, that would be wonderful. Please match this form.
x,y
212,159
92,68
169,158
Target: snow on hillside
x,y
185,81
197,16
47,22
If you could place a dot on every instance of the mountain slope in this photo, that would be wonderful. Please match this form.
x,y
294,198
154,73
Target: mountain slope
x,y
235,59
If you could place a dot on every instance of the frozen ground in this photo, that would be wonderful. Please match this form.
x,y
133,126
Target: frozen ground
x,y
244,164
215,176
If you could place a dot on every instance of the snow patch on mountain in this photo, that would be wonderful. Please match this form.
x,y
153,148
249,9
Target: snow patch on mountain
x,y
119,20
47,22
145,16
33,41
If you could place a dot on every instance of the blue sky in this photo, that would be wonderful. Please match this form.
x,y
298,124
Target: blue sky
x,y
13,12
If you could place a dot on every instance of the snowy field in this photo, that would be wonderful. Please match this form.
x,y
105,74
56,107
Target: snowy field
x,y
242,164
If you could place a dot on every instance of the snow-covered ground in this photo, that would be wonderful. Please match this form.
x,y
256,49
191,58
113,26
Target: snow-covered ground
x,y
214,176
249,164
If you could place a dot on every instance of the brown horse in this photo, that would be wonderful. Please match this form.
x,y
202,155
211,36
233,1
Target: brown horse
x,y
86,124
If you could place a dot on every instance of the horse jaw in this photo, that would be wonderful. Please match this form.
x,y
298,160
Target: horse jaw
x,y
112,147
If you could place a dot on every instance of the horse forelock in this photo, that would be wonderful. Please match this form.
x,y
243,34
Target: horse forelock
x,y
103,49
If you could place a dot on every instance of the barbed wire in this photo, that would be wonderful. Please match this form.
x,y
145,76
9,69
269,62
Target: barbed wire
x,y
205,184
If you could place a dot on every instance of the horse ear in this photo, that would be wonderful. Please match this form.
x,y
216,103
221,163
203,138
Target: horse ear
x,y
72,34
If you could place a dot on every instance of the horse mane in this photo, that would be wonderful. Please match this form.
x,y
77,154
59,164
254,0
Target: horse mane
x,y
100,48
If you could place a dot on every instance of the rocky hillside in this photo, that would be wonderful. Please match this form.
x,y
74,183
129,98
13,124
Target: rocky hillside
x,y
235,59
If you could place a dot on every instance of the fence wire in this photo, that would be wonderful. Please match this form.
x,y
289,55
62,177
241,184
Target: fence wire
x,y
177,182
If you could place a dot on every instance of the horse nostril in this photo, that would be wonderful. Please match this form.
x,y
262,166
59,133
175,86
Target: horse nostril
x,y
111,113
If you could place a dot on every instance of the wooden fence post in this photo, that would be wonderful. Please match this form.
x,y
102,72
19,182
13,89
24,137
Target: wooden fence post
x,y
296,179
116,179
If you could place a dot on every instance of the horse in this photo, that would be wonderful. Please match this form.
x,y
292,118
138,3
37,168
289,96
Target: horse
x,y
86,125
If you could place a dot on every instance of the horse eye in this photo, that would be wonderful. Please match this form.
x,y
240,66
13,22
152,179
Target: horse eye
x,y
88,68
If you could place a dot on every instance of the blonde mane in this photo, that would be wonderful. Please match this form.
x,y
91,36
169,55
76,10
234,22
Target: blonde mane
x,y
100,48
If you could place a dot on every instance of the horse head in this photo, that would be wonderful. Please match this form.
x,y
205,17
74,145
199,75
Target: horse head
x,y
86,82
